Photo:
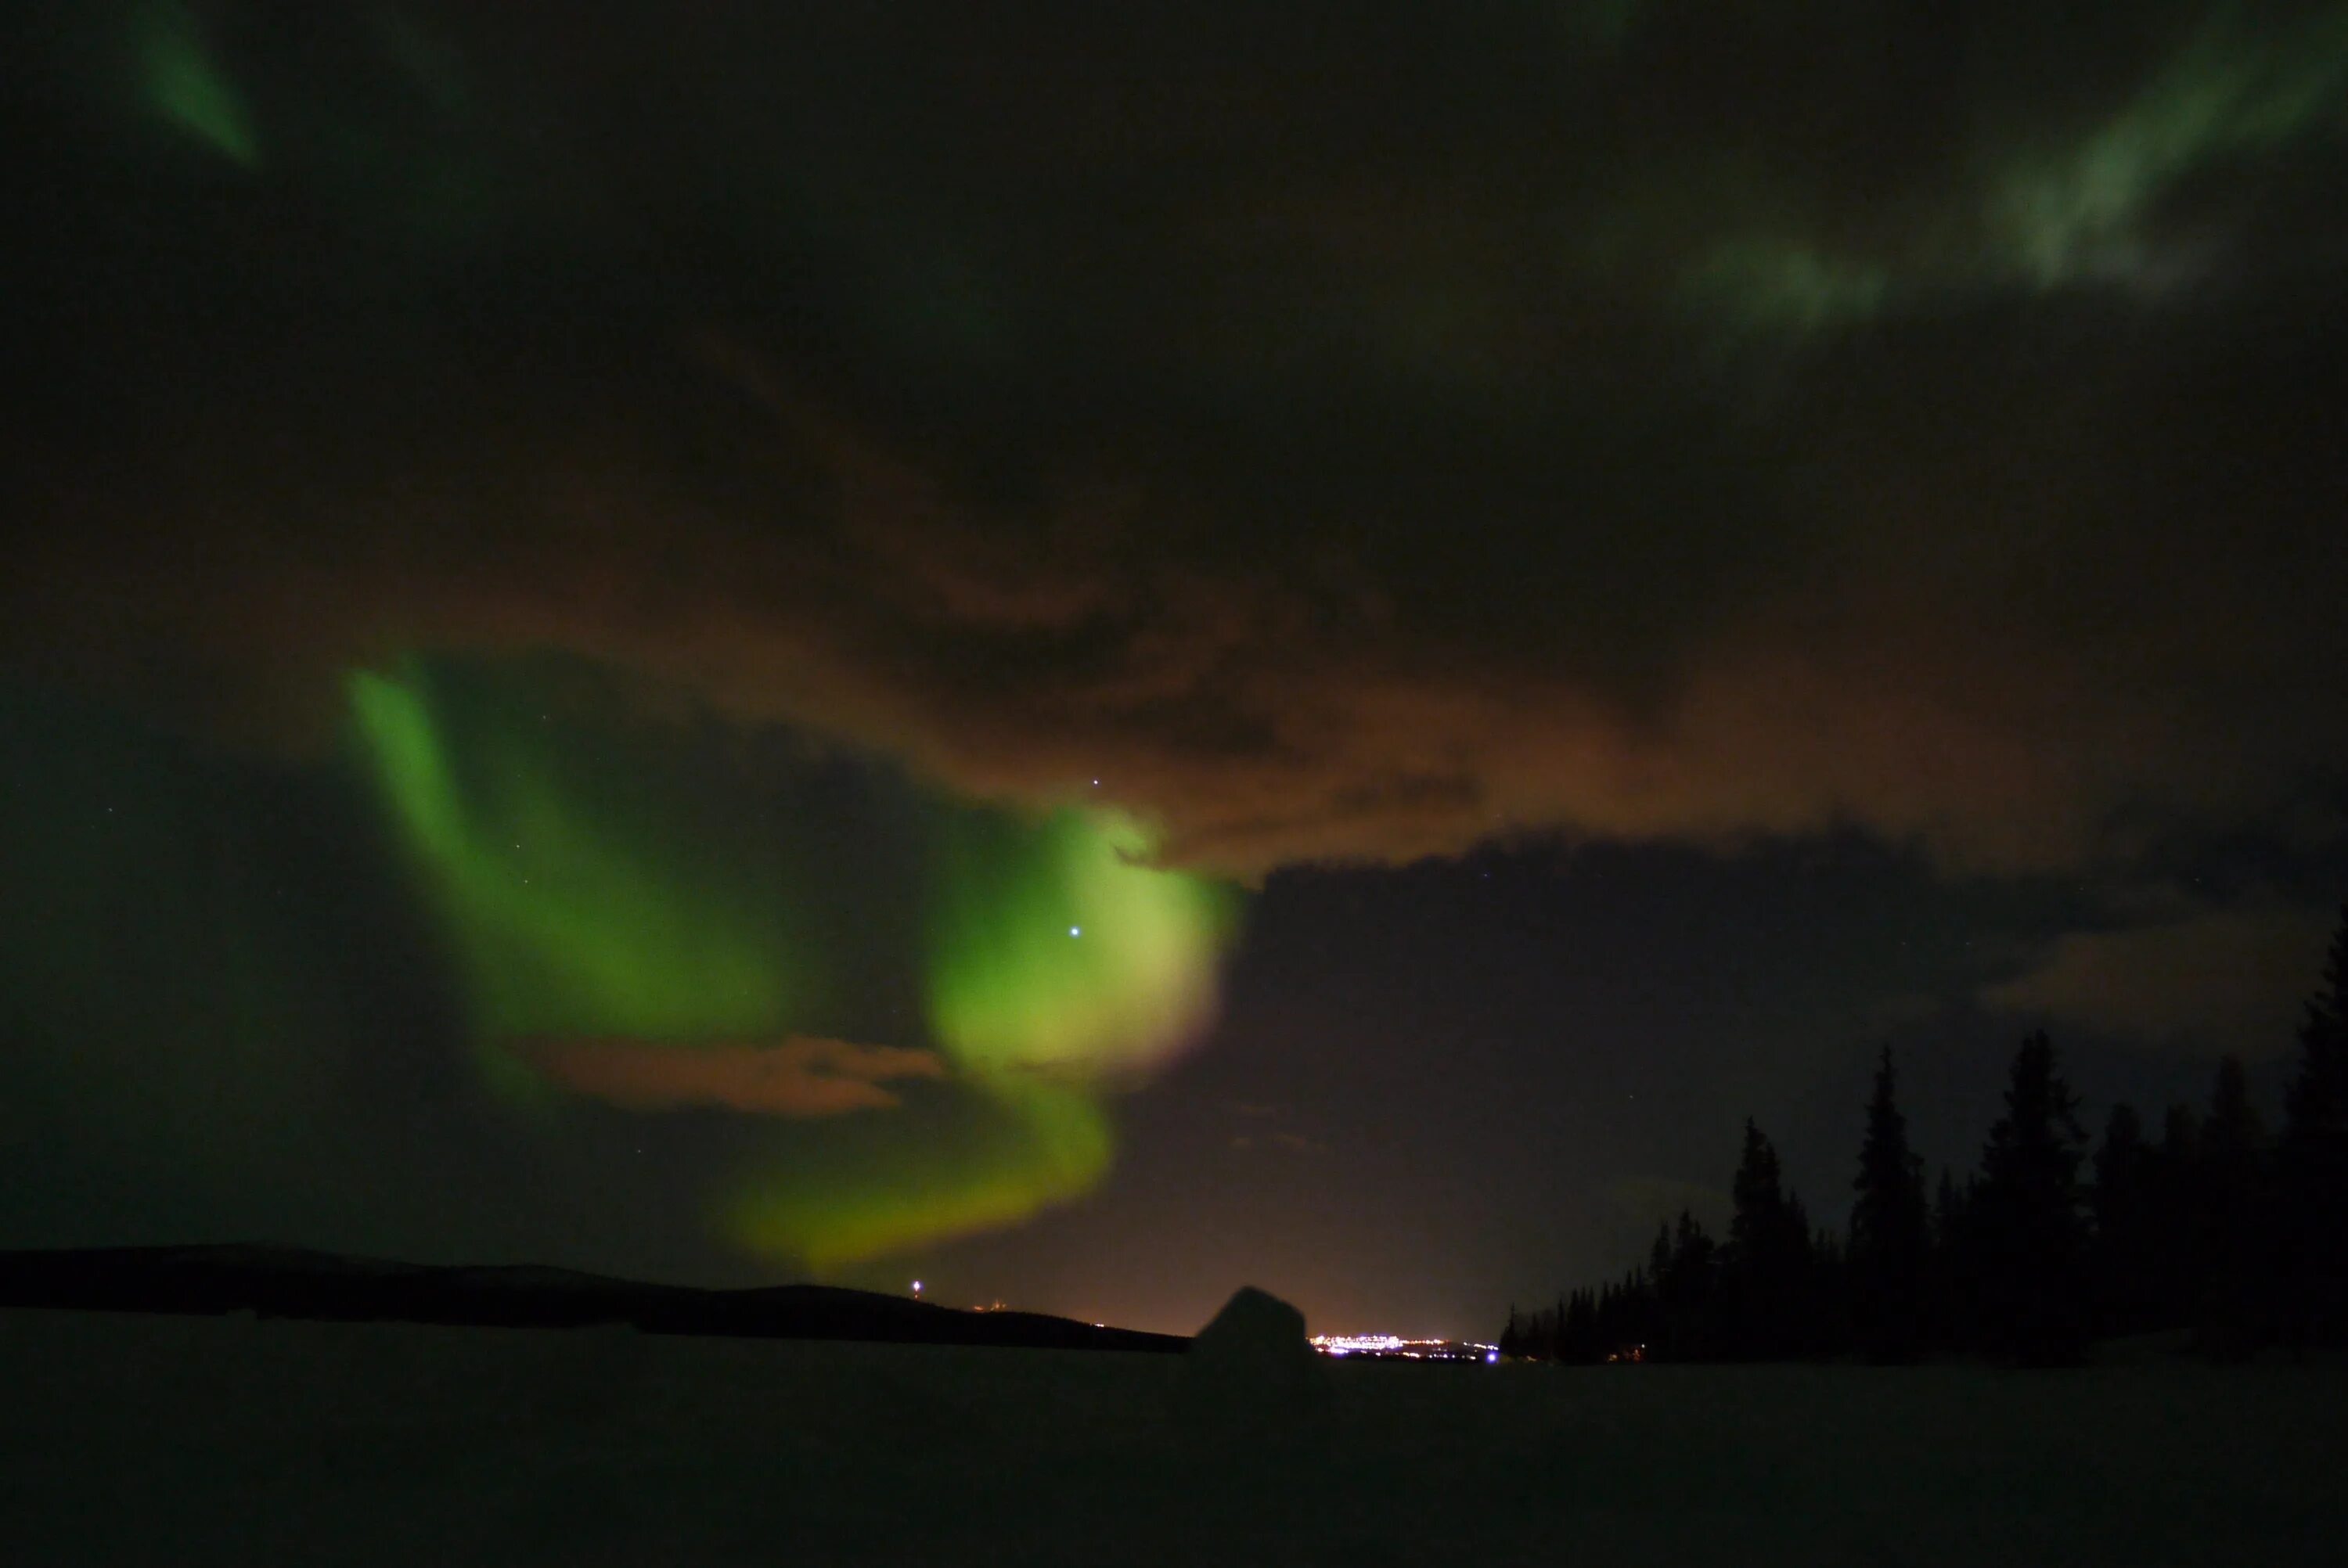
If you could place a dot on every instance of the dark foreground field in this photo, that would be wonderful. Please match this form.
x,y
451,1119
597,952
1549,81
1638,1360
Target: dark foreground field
x,y
139,1440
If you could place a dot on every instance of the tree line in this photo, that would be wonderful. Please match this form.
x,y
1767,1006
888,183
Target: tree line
x,y
2217,1225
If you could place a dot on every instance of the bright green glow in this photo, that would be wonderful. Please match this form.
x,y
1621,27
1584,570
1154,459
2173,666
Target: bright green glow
x,y
2227,92
972,1164
1012,986
1058,958
183,85
1056,962
561,931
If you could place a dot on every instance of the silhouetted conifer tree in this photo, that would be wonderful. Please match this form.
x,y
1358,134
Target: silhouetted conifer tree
x,y
2131,1230
2230,1217
1581,1327
2215,1227
1888,1236
2176,1201
1759,1216
1948,1278
1683,1289
1824,1326
2026,1229
2180,1136
2314,1159
1635,1309
1769,1252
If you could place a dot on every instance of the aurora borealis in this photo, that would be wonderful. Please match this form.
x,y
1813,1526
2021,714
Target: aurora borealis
x,y
608,935
612,946
1096,651
180,83
1060,948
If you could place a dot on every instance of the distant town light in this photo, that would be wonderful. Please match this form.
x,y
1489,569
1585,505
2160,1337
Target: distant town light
x,y
1394,1345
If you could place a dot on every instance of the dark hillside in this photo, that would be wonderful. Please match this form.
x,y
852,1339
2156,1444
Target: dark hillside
x,y
291,1283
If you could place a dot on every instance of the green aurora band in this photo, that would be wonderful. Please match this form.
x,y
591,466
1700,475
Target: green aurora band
x,y
1056,964
864,1187
1057,947
183,83
557,929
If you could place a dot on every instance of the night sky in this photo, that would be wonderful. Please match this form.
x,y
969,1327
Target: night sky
x,y
1094,652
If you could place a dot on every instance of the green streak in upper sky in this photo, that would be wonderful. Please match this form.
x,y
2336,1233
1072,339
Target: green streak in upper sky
x,y
2048,209
1057,945
182,82
2231,90
1785,286
561,929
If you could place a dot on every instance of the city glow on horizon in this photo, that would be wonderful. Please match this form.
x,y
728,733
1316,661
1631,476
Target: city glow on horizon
x,y
1394,1345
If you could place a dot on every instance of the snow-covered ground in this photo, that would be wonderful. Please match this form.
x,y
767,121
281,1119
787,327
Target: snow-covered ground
x,y
129,1440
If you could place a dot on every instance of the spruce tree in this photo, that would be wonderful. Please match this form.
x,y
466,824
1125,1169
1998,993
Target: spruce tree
x,y
2315,1160
1951,1285
2232,1216
1759,1198
1887,1235
2027,1227
2175,1208
1948,1206
1685,1331
1581,1327
1769,1247
2128,1240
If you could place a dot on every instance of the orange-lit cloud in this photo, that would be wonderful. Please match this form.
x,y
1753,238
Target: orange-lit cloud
x,y
1745,462
2230,979
799,1077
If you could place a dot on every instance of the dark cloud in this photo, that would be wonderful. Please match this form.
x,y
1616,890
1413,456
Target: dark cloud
x,y
1347,433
